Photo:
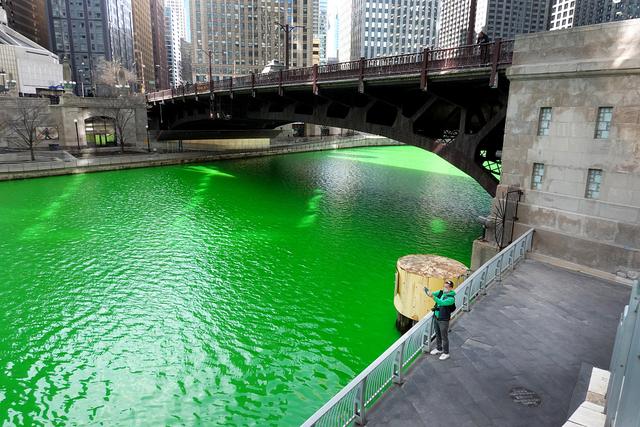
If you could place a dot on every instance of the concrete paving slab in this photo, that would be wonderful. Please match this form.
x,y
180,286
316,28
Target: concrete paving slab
x,y
535,330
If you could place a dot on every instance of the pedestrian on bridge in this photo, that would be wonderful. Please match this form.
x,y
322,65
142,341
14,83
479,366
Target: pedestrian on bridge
x,y
483,41
445,304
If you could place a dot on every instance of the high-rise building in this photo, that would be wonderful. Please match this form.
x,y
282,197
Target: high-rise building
x,y
320,29
143,43
174,28
344,24
386,27
243,36
561,14
573,13
333,33
498,18
454,22
186,52
29,18
85,32
160,63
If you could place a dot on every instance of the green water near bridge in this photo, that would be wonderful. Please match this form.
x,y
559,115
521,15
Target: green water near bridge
x,y
243,292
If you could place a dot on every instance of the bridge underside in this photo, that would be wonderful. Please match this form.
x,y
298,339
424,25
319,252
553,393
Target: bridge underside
x,y
459,117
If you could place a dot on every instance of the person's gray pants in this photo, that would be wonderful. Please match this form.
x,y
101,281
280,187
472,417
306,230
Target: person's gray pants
x,y
442,334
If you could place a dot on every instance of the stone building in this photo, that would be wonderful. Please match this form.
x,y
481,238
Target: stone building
x,y
161,64
94,118
243,36
572,144
143,43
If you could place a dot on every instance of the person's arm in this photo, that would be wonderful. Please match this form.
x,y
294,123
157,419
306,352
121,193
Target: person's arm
x,y
447,300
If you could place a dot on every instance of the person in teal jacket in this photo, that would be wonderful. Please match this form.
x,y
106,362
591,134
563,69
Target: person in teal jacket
x,y
444,306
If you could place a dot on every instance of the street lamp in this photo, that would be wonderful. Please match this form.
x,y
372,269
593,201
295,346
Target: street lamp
x,y
75,121
209,53
287,33
3,73
148,141
81,80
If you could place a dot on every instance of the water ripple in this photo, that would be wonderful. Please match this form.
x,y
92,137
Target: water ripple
x,y
235,293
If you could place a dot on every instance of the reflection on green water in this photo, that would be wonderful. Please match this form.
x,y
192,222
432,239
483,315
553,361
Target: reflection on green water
x,y
240,292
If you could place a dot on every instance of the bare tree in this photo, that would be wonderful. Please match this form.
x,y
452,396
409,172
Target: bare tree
x,y
122,111
110,74
24,121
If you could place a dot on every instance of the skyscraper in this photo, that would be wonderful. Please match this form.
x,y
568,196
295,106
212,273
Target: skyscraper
x,y
86,31
588,12
174,28
243,36
345,19
499,19
320,28
561,14
160,63
143,43
386,27
29,18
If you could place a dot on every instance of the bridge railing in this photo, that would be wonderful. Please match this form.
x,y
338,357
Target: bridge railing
x,y
350,405
462,57
623,391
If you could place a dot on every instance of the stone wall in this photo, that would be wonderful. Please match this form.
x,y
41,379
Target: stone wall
x,y
72,108
575,72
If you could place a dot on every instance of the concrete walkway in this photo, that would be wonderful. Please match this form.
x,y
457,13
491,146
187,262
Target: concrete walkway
x,y
534,331
36,169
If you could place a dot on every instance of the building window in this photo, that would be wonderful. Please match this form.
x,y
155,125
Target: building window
x,y
537,175
603,125
594,179
544,121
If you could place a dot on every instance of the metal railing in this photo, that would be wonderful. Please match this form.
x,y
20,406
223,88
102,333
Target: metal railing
x,y
494,55
623,393
350,404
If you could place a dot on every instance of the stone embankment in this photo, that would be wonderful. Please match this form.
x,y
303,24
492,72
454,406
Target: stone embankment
x,y
70,165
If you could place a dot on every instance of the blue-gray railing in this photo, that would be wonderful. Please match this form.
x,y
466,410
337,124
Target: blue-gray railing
x,y
350,404
623,393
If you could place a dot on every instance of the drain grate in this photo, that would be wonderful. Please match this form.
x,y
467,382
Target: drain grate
x,y
525,397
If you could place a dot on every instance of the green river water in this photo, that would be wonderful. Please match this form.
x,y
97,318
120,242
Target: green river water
x,y
243,292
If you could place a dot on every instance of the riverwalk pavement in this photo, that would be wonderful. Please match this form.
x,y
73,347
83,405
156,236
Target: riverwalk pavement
x,y
72,165
533,331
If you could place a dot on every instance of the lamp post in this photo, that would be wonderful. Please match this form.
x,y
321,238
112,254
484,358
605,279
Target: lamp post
x,y
148,141
75,121
287,35
209,53
81,80
3,73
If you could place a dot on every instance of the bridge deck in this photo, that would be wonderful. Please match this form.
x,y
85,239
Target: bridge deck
x,y
534,330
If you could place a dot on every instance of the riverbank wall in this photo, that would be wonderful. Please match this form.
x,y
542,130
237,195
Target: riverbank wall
x,y
37,169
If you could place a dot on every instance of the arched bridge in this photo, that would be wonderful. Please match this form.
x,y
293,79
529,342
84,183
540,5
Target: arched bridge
x,y
452,102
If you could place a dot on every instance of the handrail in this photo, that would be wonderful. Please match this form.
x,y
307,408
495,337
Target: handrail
x,y
351,403
494,54
623,389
